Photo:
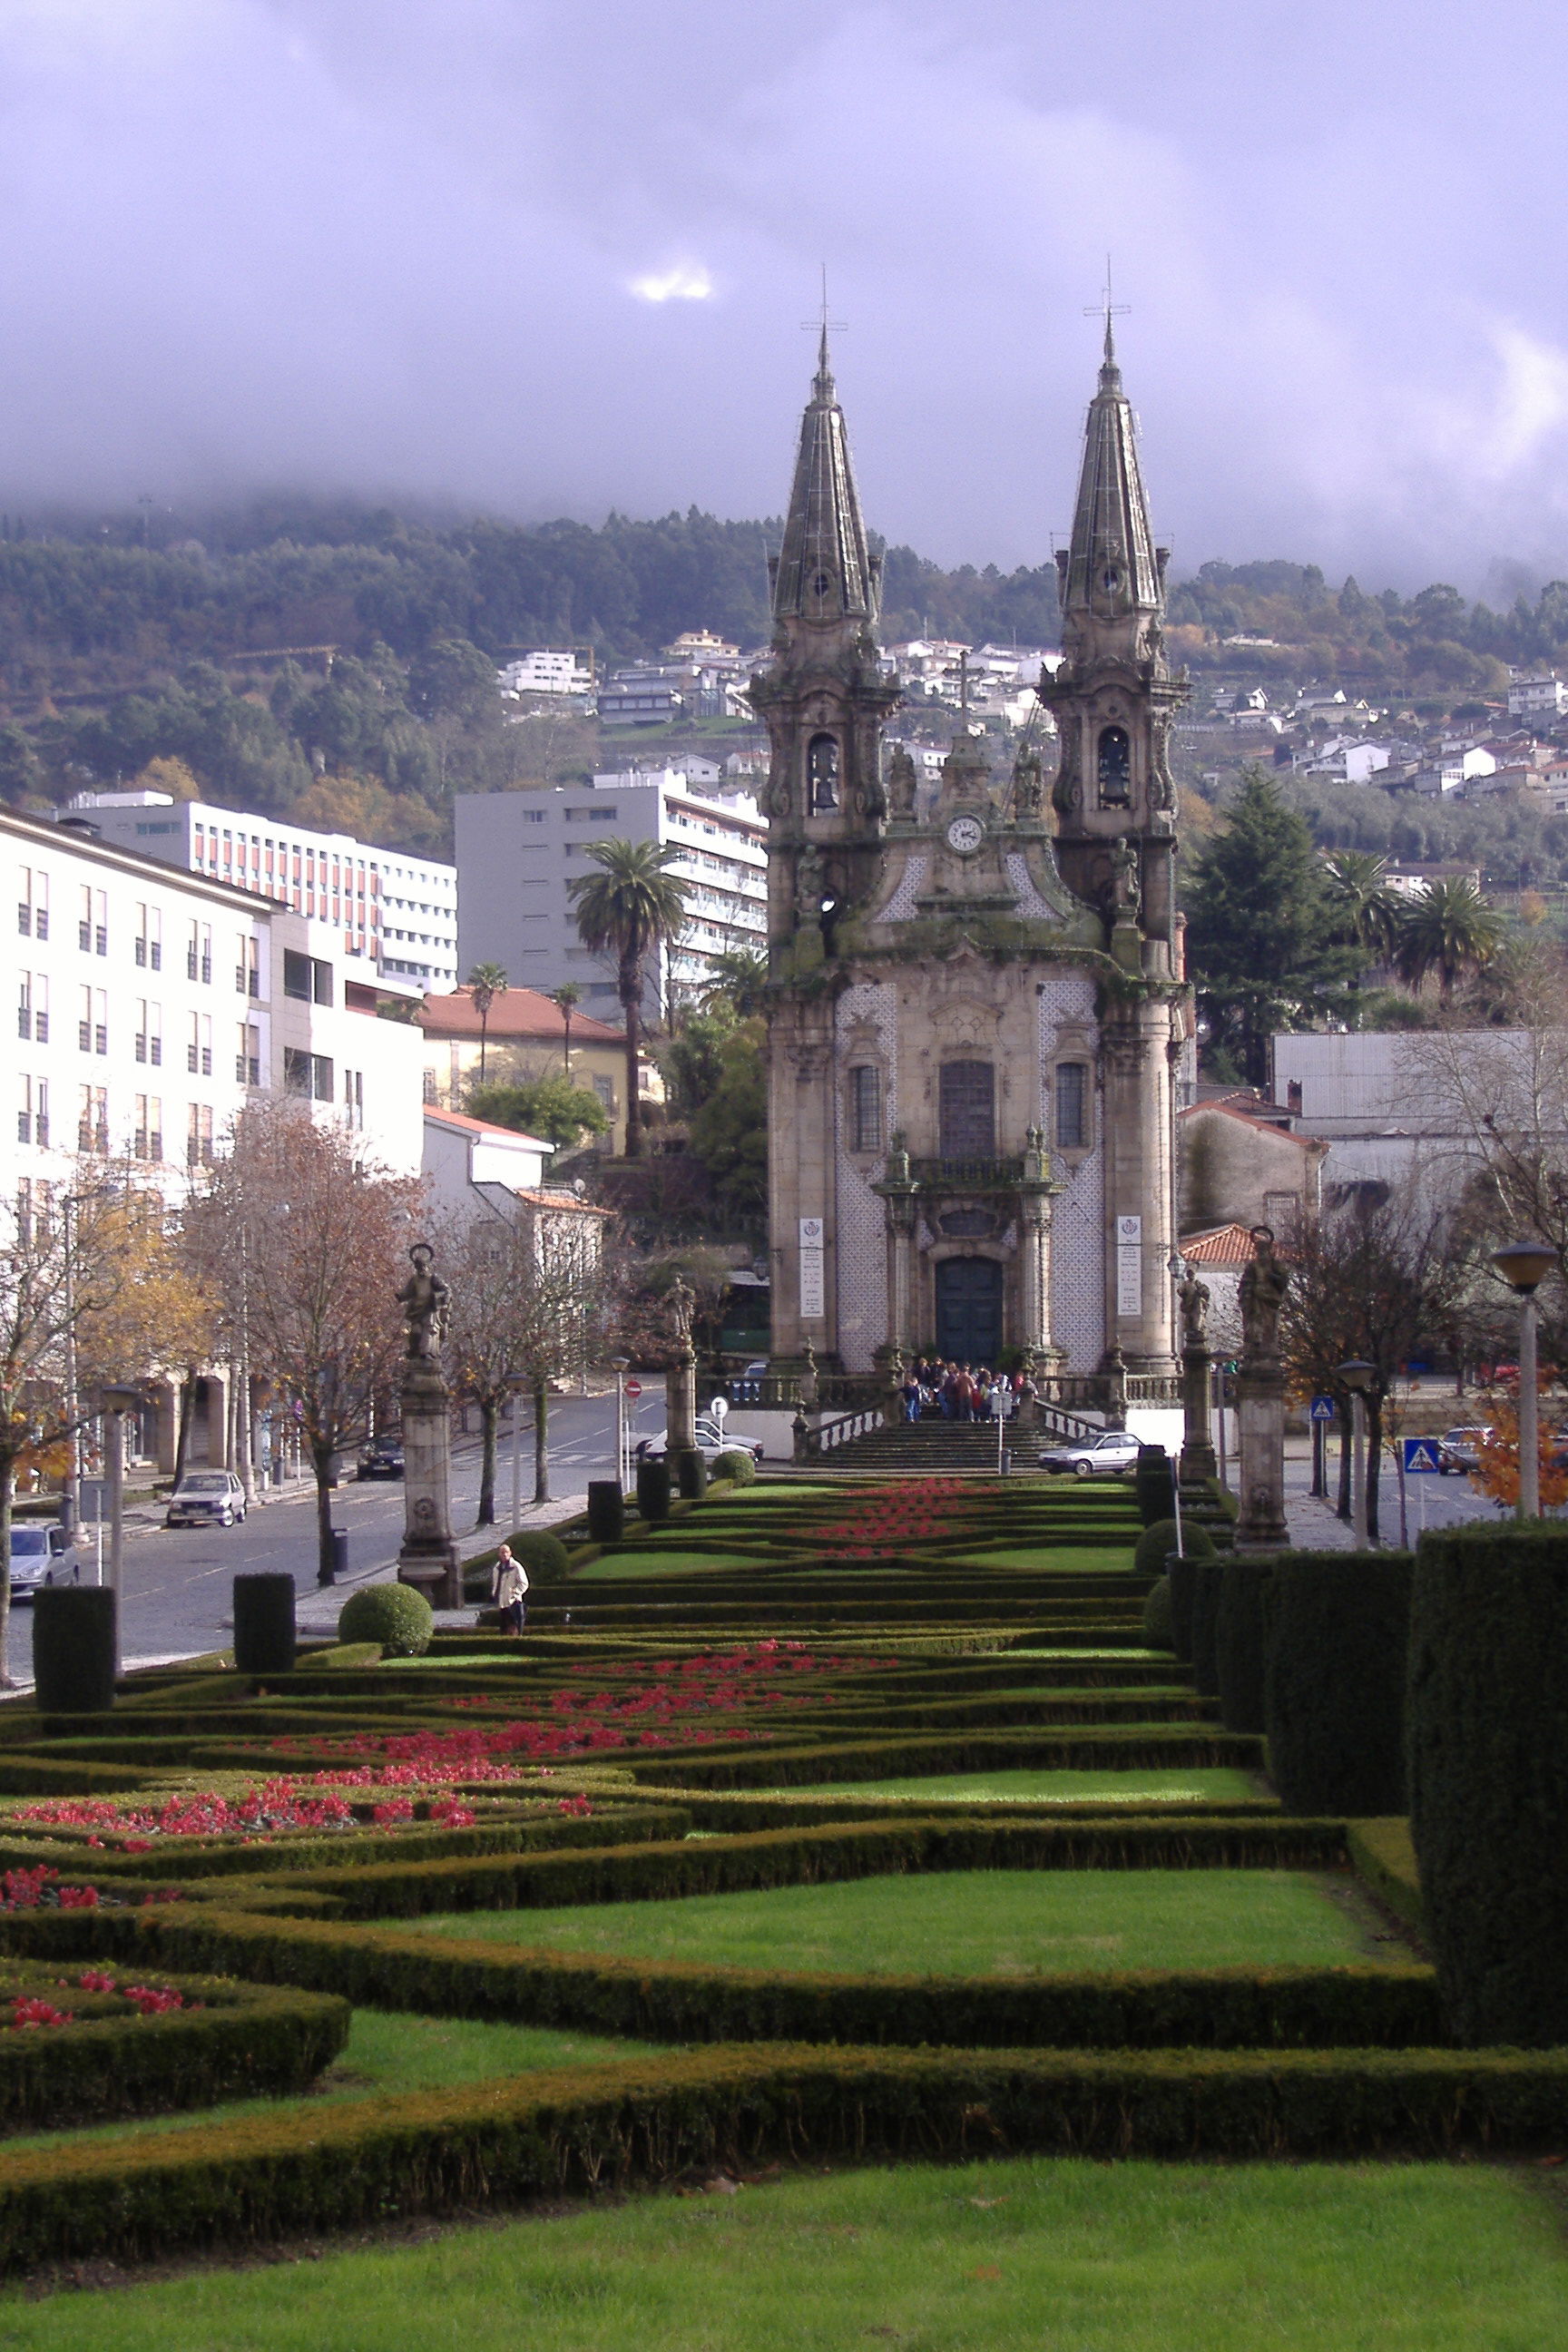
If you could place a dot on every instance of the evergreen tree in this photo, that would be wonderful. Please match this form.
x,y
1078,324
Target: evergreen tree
x,y
1261,928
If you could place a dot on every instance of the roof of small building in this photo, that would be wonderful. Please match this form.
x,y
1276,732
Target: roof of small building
x,y
435,1115
1272,1117
514,1012
1229,1245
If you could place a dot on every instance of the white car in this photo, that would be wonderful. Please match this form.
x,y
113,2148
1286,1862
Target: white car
x,y
39,1556
206,1498
712,1439
1106,1456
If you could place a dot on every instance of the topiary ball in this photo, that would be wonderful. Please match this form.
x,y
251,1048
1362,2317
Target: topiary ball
x,y
395,1615
739,1468
1157,1633
543,1556
1156,1543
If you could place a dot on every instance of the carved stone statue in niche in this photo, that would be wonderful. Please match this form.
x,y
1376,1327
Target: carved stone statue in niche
x,y
901,783
1126,890
1028,783
809,883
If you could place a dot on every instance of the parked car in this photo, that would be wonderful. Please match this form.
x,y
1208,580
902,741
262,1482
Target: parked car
x,y
712,1439
1459,1449
382,1460
1106,1456
204,1497
40,1555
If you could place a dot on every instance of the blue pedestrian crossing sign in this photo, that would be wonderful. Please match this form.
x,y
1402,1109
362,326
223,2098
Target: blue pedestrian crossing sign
x,y
1421,1458
1323,1409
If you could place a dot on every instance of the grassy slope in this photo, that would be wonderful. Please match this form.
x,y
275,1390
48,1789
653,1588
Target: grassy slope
x,y
965,1923
1022,2257
1056,1788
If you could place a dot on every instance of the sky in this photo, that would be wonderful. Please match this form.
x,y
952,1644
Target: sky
x,y
553,257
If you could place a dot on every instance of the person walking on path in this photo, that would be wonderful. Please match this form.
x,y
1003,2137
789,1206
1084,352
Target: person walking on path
x,y
510,1590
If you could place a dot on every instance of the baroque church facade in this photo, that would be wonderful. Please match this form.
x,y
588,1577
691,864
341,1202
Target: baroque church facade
x,y
977,1010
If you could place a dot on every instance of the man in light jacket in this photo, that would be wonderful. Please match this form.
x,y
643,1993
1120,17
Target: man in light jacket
x,y
510,1590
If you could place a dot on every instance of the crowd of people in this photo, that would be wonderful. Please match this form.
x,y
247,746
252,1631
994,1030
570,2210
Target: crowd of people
x,y
964,1392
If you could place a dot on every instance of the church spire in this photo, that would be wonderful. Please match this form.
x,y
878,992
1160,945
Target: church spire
x,y
825,571
1113,570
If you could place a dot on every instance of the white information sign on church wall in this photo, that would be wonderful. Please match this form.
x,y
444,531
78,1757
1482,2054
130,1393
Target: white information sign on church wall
x,y
813,1285
1128,1265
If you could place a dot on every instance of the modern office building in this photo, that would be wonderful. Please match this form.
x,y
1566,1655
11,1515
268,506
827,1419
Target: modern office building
x,y
516,853
397,912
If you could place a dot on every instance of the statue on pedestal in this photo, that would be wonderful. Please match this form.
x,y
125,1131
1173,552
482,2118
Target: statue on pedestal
x,y
1261,1294
423,1299
429,1555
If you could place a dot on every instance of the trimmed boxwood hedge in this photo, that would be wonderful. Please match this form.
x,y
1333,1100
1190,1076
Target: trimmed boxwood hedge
x,y
1489,1771
1336,1633
611,2127
244,2041
1239,1644
1155,1485
1207,1576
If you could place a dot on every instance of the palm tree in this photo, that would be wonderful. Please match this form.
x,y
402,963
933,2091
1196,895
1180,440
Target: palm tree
x,y
631,906
1366,909
739,978
485,984
566,999
1450,930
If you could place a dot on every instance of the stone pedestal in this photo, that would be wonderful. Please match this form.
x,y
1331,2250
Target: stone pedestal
x,y
429,1555
1198,1462
1260,1443
680,1407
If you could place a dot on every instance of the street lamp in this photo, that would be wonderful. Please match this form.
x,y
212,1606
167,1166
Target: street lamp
x,y
1524,1266
620,1365
1357,1376
116,1399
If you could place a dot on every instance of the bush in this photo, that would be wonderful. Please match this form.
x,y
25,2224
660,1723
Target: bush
x,y
543,1556
1157,1541
264,1639
1208,1576
1336,1629
73,1648
653,1490
1239,1644
1155,1485
1157,1615
1488,1774
690,1473
737,1467
395,1615
606,1511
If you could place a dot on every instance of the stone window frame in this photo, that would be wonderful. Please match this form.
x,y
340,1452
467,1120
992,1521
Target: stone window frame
x,y
817,732
874,1061
1073,1047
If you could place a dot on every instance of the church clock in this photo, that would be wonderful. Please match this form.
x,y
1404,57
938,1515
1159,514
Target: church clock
x,y
965,835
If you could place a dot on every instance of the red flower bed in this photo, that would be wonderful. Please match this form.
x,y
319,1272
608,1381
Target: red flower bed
x,y
879,1521
40,1890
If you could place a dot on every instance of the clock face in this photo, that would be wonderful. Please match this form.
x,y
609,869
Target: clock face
x,y
965,835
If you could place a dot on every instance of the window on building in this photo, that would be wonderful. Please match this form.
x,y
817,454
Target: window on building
x,y
967,1104
307,979
1115,765
199,952
604,1088
33,1111
1072,1106
199,1045
247,969
84,1021
147,1135
308,1076
92,1119
866,1108
248,1060
199,1136
33,903
821,772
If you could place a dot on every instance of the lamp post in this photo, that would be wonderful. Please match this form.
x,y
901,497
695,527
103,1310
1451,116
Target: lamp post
x,y
618,1365
117,1400
1356,1376
1525,1265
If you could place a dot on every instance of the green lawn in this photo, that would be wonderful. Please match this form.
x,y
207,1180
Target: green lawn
x,y
1041,2256
611,1565
385,2053
965,1923
1129,1789
1062,1559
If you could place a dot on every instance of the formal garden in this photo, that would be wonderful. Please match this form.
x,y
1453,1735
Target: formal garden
x,y
912,1914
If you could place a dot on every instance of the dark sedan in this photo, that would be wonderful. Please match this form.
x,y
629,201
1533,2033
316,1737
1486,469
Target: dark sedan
x,y
383,1460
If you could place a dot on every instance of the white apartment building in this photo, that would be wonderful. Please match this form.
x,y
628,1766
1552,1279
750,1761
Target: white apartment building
x,y
517,852
153,1004
1538,696
395,912
548,670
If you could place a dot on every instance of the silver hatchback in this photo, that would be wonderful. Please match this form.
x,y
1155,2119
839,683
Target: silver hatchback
x,y
1110,1455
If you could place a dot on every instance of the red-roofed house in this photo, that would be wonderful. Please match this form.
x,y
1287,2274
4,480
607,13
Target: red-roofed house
x,y
1237,1168
525,1037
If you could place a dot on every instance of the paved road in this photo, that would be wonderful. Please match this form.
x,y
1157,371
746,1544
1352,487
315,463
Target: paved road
x,y
177,1597
1429,1502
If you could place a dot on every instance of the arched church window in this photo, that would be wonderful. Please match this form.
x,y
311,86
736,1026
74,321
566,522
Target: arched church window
x,y
822,773
1115,767
967,1110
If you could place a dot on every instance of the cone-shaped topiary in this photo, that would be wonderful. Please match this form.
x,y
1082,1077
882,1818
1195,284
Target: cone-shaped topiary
x,y
1155,1485
395,1615
1157,1615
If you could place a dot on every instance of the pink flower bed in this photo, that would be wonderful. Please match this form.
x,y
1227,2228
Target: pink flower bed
x,y
30,2010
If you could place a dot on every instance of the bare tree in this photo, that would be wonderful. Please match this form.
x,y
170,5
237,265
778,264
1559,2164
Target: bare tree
x,y
1371,1283
306,1241
89,1291
526,1290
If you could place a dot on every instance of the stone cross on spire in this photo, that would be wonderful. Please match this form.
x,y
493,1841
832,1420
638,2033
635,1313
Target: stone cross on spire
x,y
825,571
1109,309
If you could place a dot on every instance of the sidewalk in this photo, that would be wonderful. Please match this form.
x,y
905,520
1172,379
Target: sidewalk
x,y
317,1612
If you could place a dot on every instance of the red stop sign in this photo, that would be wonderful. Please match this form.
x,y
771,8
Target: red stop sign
x,y
634,1388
